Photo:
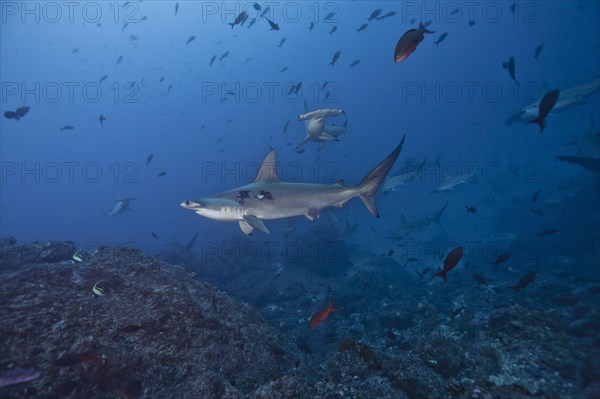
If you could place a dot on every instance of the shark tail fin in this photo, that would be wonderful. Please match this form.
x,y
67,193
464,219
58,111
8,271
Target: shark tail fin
x,y
438,215
371,182
190,244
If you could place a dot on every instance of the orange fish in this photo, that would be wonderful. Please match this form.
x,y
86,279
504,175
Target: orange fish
x,y
451,261
321,315
409,42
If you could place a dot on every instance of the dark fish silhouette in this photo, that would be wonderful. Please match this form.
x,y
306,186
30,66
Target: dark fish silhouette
x,y
387,15
273,25
256,6
471,209
538,50
281,42
390,253
161,174
329,16
354,63
409,41
471,22
191,39
527,279
283,69
67,127
169,88
149,159
374,14
336,57
225,54
119,59
538,212
311,26
513,8
479,279
503,257
214,57
176,8
17,114
102,119
536,195
333,29
422,272
441,39
510,65
285,127
103,78
546,232
361,28
153,234
548,102
240,19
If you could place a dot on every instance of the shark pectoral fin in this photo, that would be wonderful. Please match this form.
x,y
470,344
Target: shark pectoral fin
x,y
306,140
246,228
312,214
328,137
256,223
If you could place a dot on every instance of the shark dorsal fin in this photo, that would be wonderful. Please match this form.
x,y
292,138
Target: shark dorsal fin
x,y
267,172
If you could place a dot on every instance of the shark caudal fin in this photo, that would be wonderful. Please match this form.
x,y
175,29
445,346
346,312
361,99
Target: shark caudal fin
x,y
371,182
436,218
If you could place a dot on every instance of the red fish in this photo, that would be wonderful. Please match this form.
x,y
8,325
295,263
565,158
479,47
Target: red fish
x,y
322,315
546,105
451,261
409,42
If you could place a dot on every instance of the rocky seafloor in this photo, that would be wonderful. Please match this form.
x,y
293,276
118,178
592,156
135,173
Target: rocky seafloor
x,y
227,327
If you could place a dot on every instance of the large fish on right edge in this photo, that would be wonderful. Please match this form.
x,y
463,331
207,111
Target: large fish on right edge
x,y
409,42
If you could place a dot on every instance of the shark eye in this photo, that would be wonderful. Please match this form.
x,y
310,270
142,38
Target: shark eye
x,y
187,202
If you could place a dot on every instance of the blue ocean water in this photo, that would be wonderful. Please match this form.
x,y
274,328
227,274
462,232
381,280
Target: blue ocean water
x,y
146,67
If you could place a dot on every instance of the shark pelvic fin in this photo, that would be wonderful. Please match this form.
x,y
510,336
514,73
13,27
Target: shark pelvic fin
x,y
328,137
312,214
